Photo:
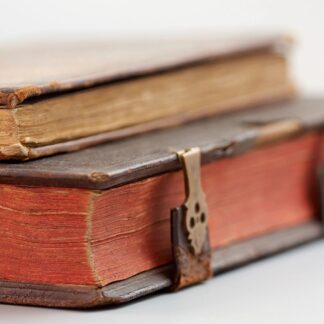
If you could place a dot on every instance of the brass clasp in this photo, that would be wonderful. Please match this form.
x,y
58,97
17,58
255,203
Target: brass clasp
x,y
189,226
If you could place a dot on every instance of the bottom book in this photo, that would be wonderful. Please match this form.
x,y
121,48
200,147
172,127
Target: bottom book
x,y
93,227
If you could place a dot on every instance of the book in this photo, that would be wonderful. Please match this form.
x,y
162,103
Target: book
x,y
92,227
61,97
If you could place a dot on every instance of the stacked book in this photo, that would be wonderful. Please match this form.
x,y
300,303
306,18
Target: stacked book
x,y
104,144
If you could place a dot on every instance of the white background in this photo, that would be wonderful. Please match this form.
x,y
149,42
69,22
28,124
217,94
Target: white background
x,y
284,289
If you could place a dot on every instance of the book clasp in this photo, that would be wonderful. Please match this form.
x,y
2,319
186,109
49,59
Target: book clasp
x,y
189,226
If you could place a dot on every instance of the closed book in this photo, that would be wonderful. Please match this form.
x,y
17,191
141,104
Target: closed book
x,y
93,227
64,96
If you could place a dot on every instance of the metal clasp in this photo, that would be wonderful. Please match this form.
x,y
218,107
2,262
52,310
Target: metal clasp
x,y
189,226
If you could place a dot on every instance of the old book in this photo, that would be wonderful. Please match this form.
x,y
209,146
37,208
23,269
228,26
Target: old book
x,y
92,227
62,97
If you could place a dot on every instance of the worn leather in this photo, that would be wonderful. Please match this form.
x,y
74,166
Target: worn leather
x,y
33,69
120,162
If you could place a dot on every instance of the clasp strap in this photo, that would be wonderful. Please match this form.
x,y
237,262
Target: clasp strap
x,y
189,226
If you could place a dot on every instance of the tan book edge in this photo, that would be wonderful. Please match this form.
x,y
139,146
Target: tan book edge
x,y
134,85
134,106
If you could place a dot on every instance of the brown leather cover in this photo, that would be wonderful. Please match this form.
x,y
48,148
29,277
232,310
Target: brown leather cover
x,y
33,69
142,156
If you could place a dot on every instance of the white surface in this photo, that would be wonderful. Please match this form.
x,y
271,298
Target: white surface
x,y
22,20
287,288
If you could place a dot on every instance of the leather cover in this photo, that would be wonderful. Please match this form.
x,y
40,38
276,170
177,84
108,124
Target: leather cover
x,y
146,155
34,69
112,164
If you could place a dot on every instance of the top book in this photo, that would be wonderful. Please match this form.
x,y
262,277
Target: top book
x,y
59,97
